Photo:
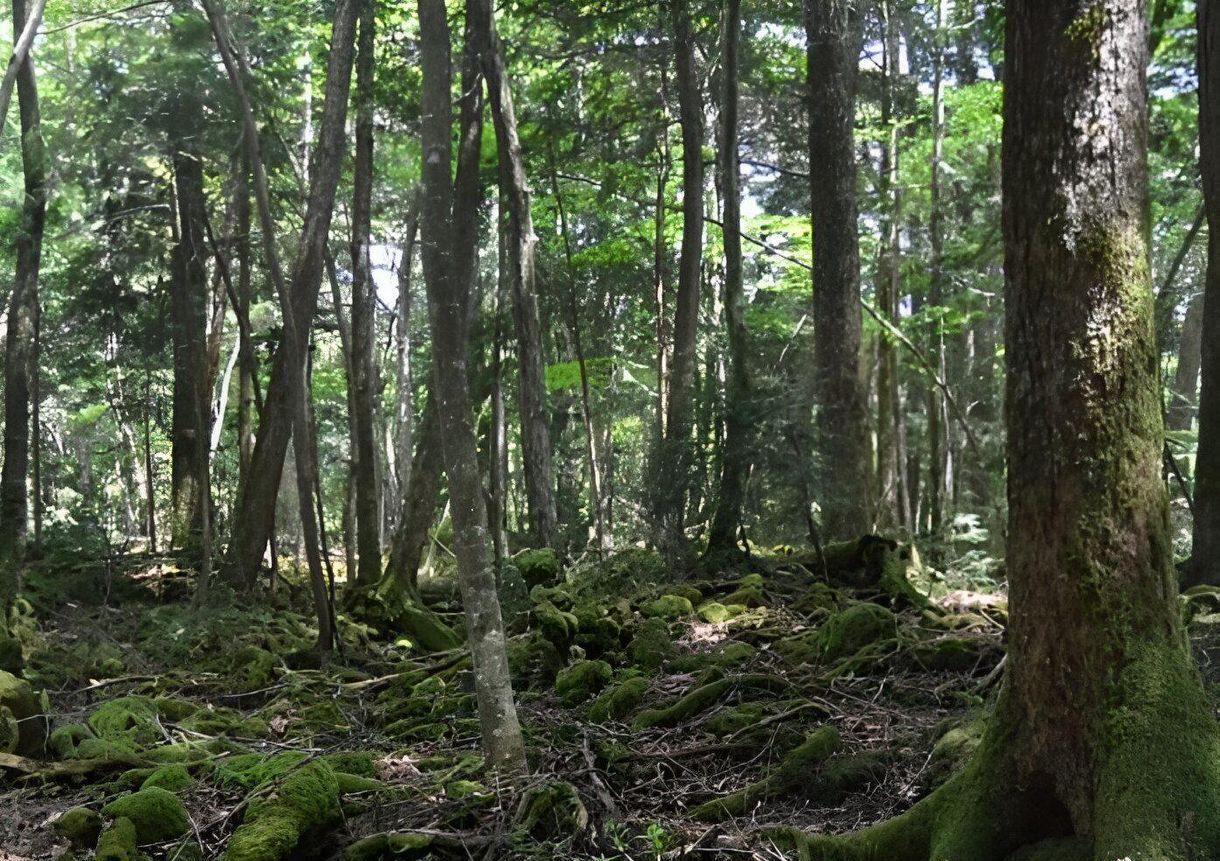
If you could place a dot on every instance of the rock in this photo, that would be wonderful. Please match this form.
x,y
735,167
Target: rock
x,y
652,645
582,680
156,814
714,613
23,729
171,778
130,721
619,701
118,842
305,801
845,633
553,812
668,607
80,826
389,847
538,567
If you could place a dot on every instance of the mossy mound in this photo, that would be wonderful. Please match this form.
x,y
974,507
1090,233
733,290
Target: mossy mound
x,y
538,567
668,607
306,800
156,814
253,668
860,625
956,654
651,646
693,703
552,812
953,750
715,613
11,659
597,633
389,609
171,778
80,826
390,847
735,719
23,729
746,596
127,720
581,681
558,627
619,701
118,842
245,771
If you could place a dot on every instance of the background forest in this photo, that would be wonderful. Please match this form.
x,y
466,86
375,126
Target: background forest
x,y
664,343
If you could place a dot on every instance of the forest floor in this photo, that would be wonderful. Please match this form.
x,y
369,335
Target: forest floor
x,y
687,721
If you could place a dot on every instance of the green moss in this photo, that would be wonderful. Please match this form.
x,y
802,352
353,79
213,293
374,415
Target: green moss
x,y
597,633
157,815
695,702
842,776
688,591
860,625
582,680
173,708
652,645
956,654
538,567
734,719
619,701
804,648
558,627
127,719
818,597
746,596
464,788
306,800
248,770
714,613
358,762
11,660
668,607
172,778
80,826
734,653
24,731
953,750
118,842
252,668
552,812
350,784
389,847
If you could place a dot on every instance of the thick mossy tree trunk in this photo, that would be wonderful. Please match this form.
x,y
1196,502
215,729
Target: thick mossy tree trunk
x,y
447,309
834,32
19,340
1205,554
1102,745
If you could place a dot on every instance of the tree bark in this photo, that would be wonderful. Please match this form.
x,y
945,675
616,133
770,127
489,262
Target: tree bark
x,y
522,251
19,339
364,454
1098,673
447,308
1205,551
735,462
1183,394
676,455
255,511
834,34
404,413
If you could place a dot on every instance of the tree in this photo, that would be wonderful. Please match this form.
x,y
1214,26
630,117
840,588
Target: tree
x,y
735,463
501,732
1075,756
834,33
1205,550
22,320
676,454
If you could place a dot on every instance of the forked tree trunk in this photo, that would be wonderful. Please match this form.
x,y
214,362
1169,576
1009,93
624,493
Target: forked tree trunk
x,y
447,309
1205,553
834,31
1102,741
19,341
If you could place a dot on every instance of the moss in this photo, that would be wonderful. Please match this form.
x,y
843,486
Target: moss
x,y
714,613
538,567
552,812
652,645
24,731
842,776
172,778
11,660
127,719
953,750
817,598
80,826
956,654
804,648
668,607
306,800
735,719
734,653
582,680
224,721
1055,849
157,814
350,784
252,668
389,847
358,762
183,752
558,627
464,788
597,633
695,702
860,625
248,770
118,842
557,595
173,708
688,591
746,596
619,701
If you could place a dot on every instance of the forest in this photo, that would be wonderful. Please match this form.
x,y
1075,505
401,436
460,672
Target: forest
x,y
621,430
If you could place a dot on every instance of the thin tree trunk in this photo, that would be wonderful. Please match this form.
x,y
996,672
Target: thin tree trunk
x,y
404,413
834,30
247,360
676,456
522,251
1183,393
150,499
497,428
19,340
938,449
735,462
364,453
447,307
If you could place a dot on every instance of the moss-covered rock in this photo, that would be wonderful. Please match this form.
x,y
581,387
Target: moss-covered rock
x,y
844,775
80,826
552,812
538,567
390,847
693,703
171,778
818,598
651,646
689,591
252,668
860,625
619,701
24,729
746,596
558,627
118,842
735,719
128,720
597,633
581,681
245,771
668,607
64,739
156,814
11,660
306,800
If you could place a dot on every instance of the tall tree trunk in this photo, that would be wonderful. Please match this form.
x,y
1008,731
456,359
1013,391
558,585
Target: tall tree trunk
x,y
364,455
247,360
735,462
939,480
404,412
1102,742
188,315
1205,552
19,340
447,308
676,455
1183,394
834,33
255,512
497,428
522,251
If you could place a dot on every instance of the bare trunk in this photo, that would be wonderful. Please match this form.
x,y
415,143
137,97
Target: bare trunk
x,y
1184,393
